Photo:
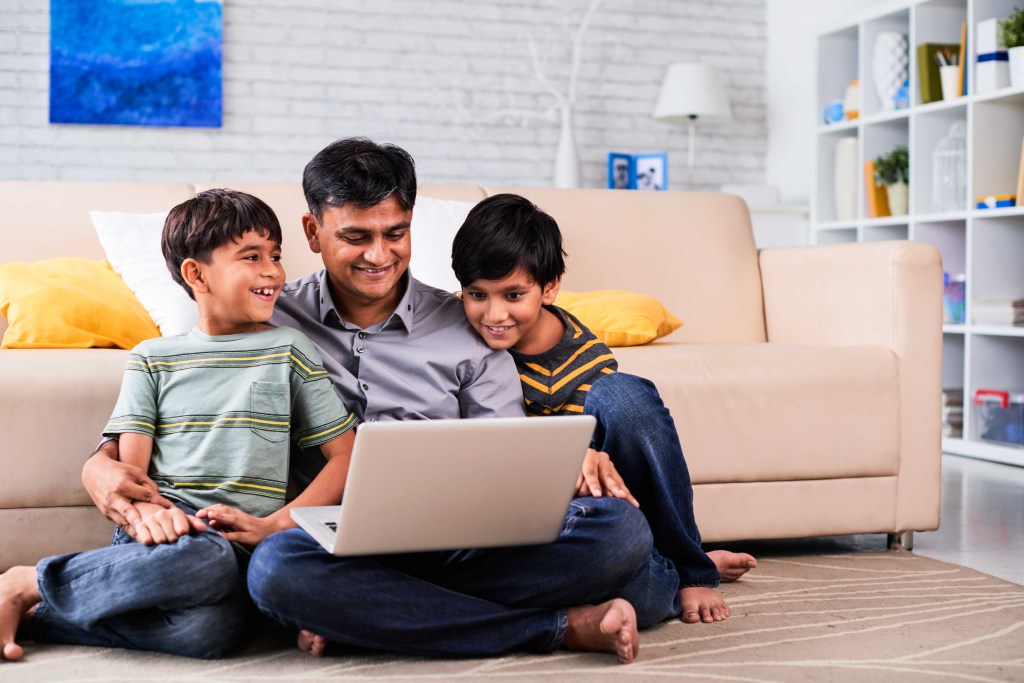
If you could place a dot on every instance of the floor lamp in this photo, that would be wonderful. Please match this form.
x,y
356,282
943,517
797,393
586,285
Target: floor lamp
x,y
692,93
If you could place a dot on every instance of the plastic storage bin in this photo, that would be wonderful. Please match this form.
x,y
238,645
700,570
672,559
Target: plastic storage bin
x,y
999,416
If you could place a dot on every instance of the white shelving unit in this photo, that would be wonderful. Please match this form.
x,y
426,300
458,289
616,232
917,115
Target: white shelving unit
x,y
986,245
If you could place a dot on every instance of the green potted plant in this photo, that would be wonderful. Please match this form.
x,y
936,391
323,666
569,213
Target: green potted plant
x,y
893,171
1012,28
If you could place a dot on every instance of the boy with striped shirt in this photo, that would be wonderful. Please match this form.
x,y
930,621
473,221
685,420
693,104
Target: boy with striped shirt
x,y
508,257
209,415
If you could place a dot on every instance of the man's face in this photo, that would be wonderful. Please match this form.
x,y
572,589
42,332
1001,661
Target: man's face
x,y
365,251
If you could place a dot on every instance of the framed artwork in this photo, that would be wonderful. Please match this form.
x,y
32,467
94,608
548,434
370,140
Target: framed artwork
x,y
125,62
638,171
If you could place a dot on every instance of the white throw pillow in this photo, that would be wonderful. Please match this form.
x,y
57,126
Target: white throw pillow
x,y
434,224
132,244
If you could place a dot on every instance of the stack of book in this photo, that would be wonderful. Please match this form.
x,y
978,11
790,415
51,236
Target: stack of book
x,y
998,312
953,412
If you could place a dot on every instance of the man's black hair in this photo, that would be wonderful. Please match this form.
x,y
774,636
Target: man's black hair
x,y
361,172
211,219
505,232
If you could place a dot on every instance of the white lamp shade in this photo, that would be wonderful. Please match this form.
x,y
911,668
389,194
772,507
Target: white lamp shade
x,y
692,92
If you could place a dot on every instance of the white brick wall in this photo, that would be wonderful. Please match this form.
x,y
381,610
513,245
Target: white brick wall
x,y
300,73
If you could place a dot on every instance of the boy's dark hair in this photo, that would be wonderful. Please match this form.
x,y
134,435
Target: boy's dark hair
x,y
361,172
211,219
505,232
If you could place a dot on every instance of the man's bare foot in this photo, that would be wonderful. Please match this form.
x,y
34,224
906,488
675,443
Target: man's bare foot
x,y
19,592
701,603
608,627
311,643
732,566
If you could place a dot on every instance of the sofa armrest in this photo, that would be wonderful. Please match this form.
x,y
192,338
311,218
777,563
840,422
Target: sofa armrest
x,y
53,407
879,294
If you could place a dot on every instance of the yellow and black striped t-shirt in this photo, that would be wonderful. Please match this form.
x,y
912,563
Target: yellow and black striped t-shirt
x,y
558,380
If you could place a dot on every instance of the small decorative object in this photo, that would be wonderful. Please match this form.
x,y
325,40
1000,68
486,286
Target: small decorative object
x,y
954,291
1012,28
903,95
893,171
851,103
845,179
834,112
638,171
890,63
992,66
949,170
997,201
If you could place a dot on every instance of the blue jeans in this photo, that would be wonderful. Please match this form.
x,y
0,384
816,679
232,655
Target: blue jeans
x,y
468,603
183,598
635,429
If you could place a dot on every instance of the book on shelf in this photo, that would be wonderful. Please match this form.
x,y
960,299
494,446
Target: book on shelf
x,y
928,68
961,80
952,396
878,199
998,312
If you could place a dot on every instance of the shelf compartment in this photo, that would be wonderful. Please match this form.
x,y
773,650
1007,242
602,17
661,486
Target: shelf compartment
x,y
898,22
837,60
997,255
826,199
837,236
885,232
931,131
997,129
936,22
950,238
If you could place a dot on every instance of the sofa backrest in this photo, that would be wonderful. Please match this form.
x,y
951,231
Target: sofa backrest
x,y
694,251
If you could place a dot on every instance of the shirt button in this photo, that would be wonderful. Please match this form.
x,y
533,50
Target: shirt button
x,y
362,335
360,349
366,386
373,419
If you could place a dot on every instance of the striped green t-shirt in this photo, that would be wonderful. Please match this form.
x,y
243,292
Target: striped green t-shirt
x,y
557,381
221,411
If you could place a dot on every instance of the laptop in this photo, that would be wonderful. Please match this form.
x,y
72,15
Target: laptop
x,y
451,484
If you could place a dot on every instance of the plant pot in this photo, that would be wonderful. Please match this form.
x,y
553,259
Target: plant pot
x,y
897,193
1017,67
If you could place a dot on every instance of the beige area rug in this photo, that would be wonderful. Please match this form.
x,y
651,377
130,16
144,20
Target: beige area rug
x,y
889,616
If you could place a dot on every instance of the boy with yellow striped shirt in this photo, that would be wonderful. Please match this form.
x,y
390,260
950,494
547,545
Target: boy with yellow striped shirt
x,y
209,415
508,257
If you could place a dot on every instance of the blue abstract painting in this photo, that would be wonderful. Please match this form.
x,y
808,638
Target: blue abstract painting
x,y
136,62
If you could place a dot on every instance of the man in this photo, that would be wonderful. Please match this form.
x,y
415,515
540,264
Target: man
x,y
398,349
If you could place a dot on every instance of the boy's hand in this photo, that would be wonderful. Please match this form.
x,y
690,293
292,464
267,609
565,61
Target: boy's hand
x,y
235,525
163,525
116,487
599,477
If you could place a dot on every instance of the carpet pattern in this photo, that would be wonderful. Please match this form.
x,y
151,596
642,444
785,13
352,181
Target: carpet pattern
x,y
849,617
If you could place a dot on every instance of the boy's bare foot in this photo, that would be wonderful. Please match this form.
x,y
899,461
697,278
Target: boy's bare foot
x,y
701,603
19,592
732,566
311,643
608,627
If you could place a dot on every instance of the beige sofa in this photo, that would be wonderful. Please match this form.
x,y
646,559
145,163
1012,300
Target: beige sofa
x,y
805,382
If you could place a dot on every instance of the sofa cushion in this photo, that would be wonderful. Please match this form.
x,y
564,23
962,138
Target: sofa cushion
x,y
774,412
70,303
619,317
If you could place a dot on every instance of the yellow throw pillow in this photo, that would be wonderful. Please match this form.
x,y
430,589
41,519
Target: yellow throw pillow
x,y
619,317
70,303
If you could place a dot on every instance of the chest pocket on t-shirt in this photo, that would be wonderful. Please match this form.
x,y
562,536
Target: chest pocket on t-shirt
x,y
271,409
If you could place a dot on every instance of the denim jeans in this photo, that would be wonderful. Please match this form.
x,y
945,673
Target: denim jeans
x,y
635,429
184,598
469,603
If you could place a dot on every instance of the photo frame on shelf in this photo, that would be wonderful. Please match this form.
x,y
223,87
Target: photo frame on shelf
x,y
638,171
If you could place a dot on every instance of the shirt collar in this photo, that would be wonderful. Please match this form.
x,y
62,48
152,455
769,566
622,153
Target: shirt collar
x,y
404,312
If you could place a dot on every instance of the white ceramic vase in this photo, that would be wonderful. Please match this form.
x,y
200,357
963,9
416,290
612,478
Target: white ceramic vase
x,y
897,193
1017,67
844,179
890,62
567,160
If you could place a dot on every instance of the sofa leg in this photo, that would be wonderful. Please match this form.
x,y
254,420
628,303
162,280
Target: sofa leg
x,y
904,539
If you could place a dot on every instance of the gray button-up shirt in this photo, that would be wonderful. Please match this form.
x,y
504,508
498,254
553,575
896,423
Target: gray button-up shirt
x,y
424,362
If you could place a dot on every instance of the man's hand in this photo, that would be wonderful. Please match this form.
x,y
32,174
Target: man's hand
x,y
241,527
163,525
599,477
114,487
